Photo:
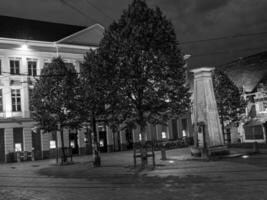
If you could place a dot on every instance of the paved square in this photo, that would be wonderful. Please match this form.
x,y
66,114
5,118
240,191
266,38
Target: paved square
x,y
179,177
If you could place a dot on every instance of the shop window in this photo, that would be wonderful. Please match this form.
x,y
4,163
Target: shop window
x,y
53,141
184,127
18,139
53,144
164,132
18,147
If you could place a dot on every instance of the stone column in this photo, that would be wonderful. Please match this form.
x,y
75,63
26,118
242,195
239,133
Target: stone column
x,y
110,140
25,98
81,143
205,107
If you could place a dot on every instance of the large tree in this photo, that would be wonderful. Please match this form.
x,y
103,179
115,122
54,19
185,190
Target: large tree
x,y
229,99
144,69
54,99
93,97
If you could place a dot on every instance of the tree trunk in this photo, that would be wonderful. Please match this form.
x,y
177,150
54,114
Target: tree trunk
x,y
96,153
222,123
63,157
114,141
195,134
143,148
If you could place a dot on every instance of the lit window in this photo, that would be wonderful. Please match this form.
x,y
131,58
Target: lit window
x,y
52,144
14,66
101,143
16,100
32,67
18,147
163,134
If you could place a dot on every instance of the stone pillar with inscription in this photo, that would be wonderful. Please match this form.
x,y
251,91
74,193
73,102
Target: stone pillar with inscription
x,y
205,112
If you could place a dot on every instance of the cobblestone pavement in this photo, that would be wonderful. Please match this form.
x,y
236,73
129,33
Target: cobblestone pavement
x,y
179,177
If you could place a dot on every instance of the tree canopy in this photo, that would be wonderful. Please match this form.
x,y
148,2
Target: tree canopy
x,y
55,95
229,99
143,67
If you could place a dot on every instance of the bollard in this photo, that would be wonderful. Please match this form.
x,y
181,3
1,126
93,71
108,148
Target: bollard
x,y
255,147
163,153
204,153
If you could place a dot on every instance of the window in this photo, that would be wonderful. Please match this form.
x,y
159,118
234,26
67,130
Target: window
x,y
32,67
0,66
262,106
184,127
46,62
1,101
69,65
16,101
14,66
254,132
53,141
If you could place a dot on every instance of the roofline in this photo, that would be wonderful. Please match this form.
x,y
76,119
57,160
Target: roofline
x,y
81,31
240,59
44,43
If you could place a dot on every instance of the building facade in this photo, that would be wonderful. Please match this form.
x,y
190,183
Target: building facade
x,y
249,73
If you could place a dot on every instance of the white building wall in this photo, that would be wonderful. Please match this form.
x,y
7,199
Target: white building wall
x,y
27,139
81,137
5,78
110,140
9,141
45,141
65,136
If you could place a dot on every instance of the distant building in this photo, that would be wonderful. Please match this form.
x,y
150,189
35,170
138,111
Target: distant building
x,y
250,74
26,46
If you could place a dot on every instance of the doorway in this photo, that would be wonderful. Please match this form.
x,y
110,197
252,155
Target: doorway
x,y
73,137
103,141
18,139
36,144
2,145
129,139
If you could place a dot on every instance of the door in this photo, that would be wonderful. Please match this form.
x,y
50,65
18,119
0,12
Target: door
x,y
2,145
88,141
36,145
103,141
18,139
73,136
129,139
174,129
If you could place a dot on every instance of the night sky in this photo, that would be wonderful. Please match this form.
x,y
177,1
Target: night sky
x,y
194,20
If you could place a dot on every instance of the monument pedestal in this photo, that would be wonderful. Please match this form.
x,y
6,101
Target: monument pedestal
x,y
208,133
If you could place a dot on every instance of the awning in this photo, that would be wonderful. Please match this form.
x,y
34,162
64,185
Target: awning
x,y
255,122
